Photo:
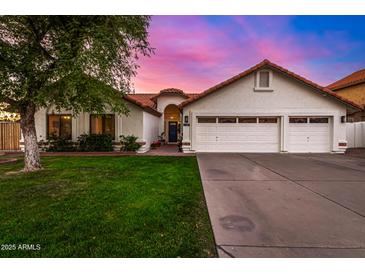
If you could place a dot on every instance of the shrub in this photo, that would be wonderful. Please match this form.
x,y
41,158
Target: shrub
x,y
43,145
60,144
129,143
95,142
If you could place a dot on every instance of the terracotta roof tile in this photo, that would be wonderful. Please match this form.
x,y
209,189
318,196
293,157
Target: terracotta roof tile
x,y
267,63
147,102
355,78
143,101
144,98
174,91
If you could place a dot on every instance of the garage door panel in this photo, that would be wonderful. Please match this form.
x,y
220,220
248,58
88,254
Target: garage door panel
x,y
309,137
238,137
207,139
238,147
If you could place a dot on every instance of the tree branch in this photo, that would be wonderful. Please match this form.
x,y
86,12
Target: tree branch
x,y
39,37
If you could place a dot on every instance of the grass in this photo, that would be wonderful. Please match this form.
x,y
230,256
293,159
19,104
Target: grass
x,y
105,207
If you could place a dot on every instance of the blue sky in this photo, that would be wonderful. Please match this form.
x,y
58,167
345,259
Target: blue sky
x,y
195,52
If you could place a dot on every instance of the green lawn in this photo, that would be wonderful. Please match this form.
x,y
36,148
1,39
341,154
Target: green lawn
x,y
106,207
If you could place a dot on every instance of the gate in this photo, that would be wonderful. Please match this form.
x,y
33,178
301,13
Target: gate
x,y
9,135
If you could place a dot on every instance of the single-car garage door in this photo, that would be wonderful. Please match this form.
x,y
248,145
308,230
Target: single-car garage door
x,y
309,134
237,134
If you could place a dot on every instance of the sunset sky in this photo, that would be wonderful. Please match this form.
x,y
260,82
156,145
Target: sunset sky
x,y
194,53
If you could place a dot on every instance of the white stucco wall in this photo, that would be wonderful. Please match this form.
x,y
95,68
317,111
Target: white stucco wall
x,y
80,123
289,97
132,124
150,130
137,122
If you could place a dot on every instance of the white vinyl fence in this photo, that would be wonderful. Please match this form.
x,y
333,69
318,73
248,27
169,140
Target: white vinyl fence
x,y
355,133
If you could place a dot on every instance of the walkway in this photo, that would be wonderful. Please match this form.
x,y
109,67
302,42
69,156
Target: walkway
x,y
167,150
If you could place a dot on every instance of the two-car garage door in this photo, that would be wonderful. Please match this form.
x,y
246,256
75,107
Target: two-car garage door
x,y
261,134
237,134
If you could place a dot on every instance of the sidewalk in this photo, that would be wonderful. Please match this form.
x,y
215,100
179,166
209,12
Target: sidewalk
x,y
167,150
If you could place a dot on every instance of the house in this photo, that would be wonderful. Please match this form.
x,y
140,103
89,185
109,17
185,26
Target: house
x,y
352,87
263,109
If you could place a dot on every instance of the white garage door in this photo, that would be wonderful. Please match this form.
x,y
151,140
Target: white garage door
x,y
309,134
237,134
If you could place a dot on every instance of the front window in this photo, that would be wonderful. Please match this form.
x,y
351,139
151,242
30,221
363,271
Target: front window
x,y
59,126
102,124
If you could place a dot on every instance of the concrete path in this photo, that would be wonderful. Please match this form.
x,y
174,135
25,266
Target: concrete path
x,y
168,150
285,205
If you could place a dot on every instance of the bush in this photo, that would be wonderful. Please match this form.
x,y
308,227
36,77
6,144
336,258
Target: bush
x,y
60,144
95,142
129,143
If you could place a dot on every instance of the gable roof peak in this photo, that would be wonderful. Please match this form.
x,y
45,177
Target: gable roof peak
x,y
266,62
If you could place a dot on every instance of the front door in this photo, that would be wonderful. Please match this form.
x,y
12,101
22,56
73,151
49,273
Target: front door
x,y
172,132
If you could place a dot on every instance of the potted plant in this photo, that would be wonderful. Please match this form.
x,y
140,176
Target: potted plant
x,y
161,138
155,144
179,144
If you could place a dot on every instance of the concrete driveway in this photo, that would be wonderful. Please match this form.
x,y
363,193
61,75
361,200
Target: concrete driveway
x,y
285,205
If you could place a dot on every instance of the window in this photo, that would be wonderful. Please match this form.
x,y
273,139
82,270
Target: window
x,y
318,120
247,120
102,124
207,120
268,120
264,79
59,126
227,120
298,120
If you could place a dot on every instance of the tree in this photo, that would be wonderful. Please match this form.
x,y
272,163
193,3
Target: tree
x,y
81,63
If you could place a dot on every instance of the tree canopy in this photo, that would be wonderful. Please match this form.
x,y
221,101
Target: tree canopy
x,y
83,63
79,63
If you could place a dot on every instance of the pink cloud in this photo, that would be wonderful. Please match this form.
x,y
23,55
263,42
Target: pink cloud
x,y
194,53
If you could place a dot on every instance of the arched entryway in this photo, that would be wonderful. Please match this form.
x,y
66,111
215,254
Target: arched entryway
x,y
172,121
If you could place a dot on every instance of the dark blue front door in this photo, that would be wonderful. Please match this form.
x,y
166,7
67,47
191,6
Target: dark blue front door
x,y
172,132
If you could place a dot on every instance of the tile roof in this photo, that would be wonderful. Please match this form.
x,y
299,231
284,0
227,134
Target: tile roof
x,y
174,91
267,63
147,100
355,78
143,101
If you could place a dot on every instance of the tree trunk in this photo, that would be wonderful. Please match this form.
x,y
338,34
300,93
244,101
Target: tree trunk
x,y
32,161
